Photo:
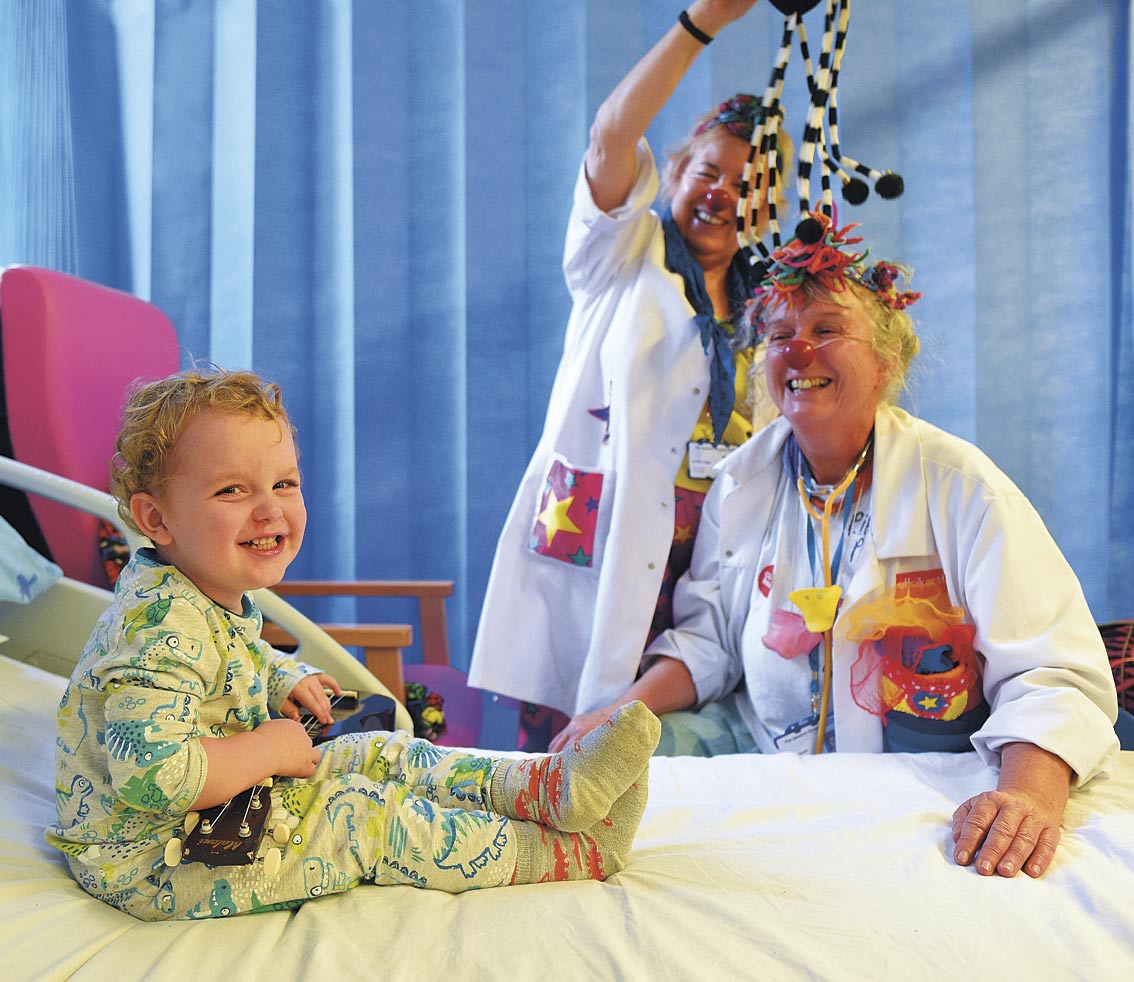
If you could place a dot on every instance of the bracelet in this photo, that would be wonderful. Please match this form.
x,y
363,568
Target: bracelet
x,y
684,20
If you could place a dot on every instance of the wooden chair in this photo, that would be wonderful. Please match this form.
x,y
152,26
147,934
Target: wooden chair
x,y
381,644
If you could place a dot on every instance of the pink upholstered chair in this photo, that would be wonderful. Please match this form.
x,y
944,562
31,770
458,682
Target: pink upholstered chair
x,y
71,349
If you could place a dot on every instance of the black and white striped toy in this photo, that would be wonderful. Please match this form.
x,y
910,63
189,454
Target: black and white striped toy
x,y
820,134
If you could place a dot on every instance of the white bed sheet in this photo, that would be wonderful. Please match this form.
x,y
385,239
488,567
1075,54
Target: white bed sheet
x,y
779,868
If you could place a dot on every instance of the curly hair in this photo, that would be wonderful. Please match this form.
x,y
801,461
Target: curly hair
x,y
157,413
892,335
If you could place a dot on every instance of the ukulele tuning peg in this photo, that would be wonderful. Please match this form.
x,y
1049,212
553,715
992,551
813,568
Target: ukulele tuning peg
x,y
173,851
273,858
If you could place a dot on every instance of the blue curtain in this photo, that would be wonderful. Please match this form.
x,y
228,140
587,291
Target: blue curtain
x,y
366,202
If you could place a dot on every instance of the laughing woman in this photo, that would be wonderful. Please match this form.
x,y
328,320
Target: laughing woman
x,y
878,585
651,388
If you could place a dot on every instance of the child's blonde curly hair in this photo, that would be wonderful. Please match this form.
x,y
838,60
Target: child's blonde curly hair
x,y
157,413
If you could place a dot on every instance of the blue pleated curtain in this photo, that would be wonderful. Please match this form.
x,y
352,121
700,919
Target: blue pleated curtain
x,y
366,201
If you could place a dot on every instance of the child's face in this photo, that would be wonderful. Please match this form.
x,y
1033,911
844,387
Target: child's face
x,y
231,515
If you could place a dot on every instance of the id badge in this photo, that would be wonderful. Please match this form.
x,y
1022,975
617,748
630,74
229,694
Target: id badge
x,y
704,456
800,737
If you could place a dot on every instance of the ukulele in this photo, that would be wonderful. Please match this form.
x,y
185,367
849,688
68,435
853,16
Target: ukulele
x,y
351,716
230,834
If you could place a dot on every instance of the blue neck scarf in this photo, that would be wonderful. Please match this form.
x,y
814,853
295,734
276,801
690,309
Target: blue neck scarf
x,y
715,333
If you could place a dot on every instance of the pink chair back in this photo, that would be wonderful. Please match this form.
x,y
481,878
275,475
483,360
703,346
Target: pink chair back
x,y
71,349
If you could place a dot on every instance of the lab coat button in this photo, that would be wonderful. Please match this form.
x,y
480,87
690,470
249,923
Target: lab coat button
x,y
650,565
696,392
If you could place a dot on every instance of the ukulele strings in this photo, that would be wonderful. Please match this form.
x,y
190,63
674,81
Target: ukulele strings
x,y
312,724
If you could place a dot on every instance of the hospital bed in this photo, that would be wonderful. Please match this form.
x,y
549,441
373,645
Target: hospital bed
x,y
745,867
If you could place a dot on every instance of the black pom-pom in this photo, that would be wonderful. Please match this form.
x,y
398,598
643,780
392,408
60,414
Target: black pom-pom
x,y
890,185
855,190
760,270
809,231
787,7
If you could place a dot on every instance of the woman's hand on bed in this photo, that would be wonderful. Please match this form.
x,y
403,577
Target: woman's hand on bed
x,y
1016,826
663,687
580,726
310,692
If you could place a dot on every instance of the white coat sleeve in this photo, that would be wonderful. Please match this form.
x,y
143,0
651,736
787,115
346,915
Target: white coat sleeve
x,y
601,245
1046,675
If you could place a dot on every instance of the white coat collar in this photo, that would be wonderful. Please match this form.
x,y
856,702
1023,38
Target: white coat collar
x,y
901,507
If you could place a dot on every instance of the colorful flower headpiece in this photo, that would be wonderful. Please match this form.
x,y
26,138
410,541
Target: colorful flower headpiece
x,y
822,251
740,115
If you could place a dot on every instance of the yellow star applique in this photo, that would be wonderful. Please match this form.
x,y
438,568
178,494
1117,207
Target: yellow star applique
x,y
554,517
928,703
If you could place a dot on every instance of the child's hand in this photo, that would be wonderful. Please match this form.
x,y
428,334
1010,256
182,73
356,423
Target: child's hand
x,y
291,747
308,692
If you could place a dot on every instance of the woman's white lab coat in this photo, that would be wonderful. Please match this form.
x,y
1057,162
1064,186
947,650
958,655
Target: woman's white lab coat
x,y
938,503
630,386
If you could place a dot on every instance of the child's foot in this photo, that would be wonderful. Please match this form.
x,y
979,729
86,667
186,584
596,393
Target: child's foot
x,y
544,854
574,789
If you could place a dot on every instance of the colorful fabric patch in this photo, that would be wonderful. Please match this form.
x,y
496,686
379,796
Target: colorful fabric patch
x,y
538,726
916,652
1118,636
113,551
565,521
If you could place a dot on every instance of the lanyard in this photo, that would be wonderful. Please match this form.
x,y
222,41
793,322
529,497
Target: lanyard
x,y
831,574
820,605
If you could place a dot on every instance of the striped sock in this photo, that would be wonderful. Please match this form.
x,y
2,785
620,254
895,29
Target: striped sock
x,y
574,789
544,855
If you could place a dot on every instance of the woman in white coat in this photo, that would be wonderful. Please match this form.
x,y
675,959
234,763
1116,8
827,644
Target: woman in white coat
x,y
650,389
880,585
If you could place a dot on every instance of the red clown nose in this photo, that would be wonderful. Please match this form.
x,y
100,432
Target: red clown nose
x,y
718,199
798,354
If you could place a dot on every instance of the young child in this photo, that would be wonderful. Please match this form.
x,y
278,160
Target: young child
x,y
169,708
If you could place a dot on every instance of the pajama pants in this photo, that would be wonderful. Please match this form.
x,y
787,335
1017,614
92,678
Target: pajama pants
x,y
381,808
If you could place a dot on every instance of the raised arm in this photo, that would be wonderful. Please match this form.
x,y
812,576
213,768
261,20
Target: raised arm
x,y
622,119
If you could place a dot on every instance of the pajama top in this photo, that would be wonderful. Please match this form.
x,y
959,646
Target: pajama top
x,y
166,666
